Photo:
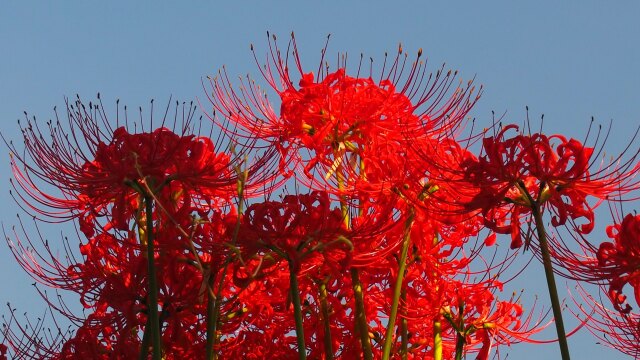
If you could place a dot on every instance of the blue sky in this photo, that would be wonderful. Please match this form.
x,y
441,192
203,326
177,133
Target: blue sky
x,y
569,60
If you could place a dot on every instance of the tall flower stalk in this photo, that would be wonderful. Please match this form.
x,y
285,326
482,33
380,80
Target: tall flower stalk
x,y
154,320
398,290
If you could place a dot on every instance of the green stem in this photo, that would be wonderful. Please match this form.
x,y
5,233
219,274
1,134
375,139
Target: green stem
x,y
388,341
212,315
324,307
297,312
144,347
404,345
460,342
361,318
551,281
154,320
214,301
437,340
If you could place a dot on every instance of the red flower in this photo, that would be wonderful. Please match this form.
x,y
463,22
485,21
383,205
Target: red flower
x,y
296,228
536,170
619,260
110,185
333,125
615,329
100,174
613,264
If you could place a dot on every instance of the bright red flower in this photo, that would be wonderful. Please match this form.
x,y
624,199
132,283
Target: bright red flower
x,y
619,261
615,329
553,172
625,250
333,125
486,321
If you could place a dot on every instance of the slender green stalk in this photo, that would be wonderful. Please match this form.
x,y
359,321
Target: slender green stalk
x,y
152,297
144,188
297,312
212,323
144,347
551,281
404,328
458,326
214,301
397,290
437,340
324,307
361,318
460,342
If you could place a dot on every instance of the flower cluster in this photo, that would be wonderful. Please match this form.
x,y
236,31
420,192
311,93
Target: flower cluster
x,y
192,247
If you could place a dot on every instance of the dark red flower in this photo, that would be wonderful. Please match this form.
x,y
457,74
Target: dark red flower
x,y
100,171
296,228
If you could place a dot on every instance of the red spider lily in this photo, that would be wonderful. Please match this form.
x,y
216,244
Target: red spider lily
x,y
385,225
349,136
111,280
616,329
437,278
312,237
480,318
100,171
179,178
343,121
553,172
466,312
155,159
618,260
295,228
310,228
613,264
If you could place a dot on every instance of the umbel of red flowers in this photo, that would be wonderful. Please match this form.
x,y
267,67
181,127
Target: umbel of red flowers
x,y
197,247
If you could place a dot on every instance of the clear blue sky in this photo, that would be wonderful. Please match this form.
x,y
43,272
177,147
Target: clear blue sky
x,y
569,60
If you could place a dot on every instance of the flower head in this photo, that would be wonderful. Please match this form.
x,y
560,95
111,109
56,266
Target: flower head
x,y
620,260
102,171
332,124
520,172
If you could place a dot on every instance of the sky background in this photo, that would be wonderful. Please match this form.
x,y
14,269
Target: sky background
x,y
567,60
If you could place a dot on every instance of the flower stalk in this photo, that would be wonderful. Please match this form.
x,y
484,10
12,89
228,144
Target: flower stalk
x,y
460,343
551,281
397,291
214,300
297,311
152,298
324,307
404,329
361,319
437,340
